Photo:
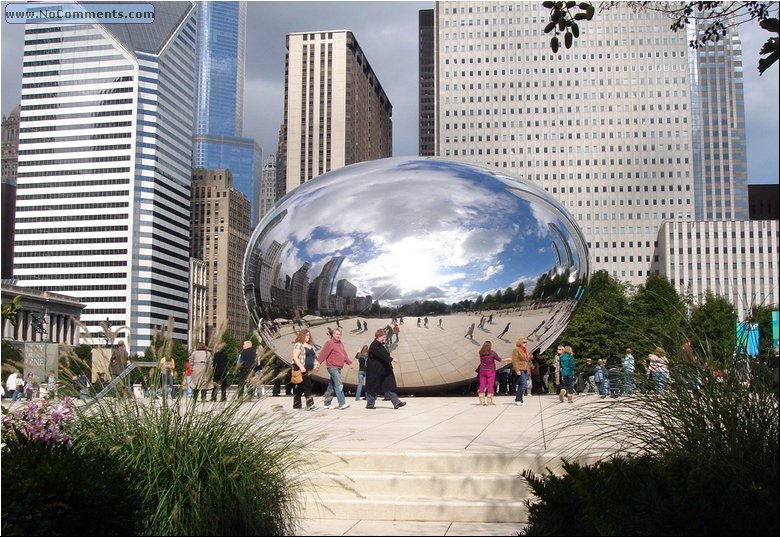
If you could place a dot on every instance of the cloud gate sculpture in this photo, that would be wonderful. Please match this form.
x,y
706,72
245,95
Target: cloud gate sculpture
x,y
442,248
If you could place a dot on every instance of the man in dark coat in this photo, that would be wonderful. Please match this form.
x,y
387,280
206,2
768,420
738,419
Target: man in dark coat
x,y
220,363
379,372
246,365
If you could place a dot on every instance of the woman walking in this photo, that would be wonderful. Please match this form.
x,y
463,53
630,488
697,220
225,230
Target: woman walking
x,y
304,360
200,361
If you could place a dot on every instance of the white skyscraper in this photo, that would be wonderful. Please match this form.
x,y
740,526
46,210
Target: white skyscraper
x,y
103,206
621,128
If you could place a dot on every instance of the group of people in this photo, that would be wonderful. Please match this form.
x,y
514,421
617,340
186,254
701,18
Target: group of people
x,y
18,386
375,368
486,370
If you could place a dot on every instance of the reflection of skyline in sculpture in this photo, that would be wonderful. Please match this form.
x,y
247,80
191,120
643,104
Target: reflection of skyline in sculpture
x,y
372,237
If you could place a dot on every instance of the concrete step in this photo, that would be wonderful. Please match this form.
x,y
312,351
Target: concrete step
x,y
447,462
421,509
365,485
457,486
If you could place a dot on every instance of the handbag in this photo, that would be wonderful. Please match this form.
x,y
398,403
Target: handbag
x,y
296,376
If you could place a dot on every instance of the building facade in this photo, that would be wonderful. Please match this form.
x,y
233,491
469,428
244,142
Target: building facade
x,y
199,285
268,186
620,128
335,110
103,183
220,233
217,141
764,202
10,154
426,92
735,259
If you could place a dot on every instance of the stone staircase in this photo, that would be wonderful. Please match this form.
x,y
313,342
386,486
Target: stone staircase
x,y
458,486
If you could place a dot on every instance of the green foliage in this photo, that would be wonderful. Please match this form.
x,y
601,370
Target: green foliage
x,y
199,472
10,310
66,492
657,316
712,328
647,495
563,20
599,327
705,461
11,356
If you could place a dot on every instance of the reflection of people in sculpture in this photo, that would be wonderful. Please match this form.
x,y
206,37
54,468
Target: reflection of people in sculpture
x,y
379,373
470,333
425,322
504,331
365,325
359,325
439,322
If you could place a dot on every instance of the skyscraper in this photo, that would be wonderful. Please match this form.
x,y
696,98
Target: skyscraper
x,y
335,110
217,141
622,128
268,185
103,204
426,65
10,155
220,232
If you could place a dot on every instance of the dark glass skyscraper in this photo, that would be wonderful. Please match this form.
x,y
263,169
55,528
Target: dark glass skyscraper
x,y
217,138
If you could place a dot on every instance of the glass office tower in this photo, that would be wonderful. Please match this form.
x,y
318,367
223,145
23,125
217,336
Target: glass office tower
x,y
217,136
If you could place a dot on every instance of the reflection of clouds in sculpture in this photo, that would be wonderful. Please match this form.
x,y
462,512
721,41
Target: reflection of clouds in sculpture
x,y
404,230
410,229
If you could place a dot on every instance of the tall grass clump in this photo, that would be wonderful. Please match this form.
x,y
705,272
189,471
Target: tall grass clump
x,y
199,471
701,458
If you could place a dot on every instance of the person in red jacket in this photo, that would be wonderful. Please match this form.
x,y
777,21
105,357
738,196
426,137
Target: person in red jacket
x,y
334,356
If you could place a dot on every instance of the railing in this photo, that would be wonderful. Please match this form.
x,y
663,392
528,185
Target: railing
x,y
119,378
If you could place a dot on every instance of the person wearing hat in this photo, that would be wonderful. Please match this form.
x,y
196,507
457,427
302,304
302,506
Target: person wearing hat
x,y
521,363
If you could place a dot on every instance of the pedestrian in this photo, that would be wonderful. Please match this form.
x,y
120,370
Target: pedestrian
x,y
487,372
521,364
439,322
200,361
590,383
567,374
219,364
10,385
397,332
19,387
303,358
361,357
504,331
365,326
117,365
628,372
658,368
600,377
246,363
167,369
334,356
187,379
29,386
425,322
470,332
379,373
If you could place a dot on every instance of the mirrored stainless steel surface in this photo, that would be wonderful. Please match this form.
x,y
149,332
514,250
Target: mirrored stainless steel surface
x,y
416,237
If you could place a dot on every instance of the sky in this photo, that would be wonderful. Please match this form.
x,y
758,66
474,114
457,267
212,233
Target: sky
x,y
387,33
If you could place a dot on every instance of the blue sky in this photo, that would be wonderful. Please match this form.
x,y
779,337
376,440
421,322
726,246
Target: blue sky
x,y
387,33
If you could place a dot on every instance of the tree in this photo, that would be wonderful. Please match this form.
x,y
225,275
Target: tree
x,y
657,316
600,324
717,18
11,310
712,330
